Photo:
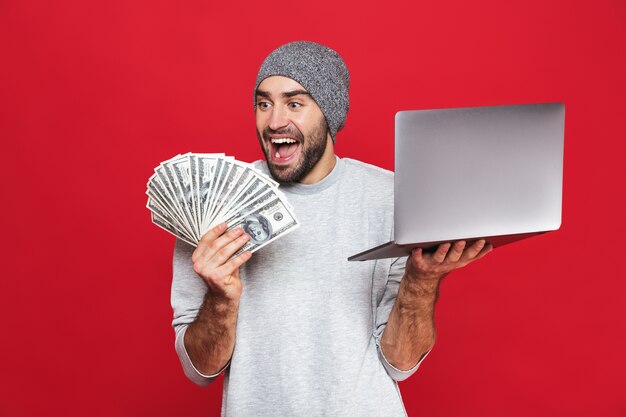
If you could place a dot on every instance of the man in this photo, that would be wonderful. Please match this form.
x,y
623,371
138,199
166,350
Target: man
x,y
297,329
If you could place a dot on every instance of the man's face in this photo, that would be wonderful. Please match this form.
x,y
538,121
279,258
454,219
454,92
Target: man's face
x,y
291,128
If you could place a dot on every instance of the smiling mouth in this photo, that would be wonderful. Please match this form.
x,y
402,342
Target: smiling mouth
x,y
283,149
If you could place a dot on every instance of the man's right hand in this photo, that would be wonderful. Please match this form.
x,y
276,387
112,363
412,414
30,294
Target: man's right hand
x,y
210,261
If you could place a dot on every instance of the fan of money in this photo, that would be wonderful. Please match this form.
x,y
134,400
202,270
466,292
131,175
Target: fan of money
x,y
189,194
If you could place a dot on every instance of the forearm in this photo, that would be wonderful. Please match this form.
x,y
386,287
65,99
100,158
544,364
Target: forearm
x,y
210,339
410,330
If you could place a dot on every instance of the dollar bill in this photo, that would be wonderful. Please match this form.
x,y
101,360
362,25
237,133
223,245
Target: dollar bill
x,y
250,184
206,172
237,178
191,193
176,172
157,191
156,207
162,223
221,170
266,224
166,178
265,197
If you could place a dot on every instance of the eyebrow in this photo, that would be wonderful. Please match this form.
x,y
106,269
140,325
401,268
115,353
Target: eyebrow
x,y
286,94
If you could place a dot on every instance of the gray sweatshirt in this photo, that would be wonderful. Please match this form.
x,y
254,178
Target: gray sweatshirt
x,y
310,322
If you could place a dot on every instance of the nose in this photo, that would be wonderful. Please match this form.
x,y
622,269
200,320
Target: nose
x,y
278,118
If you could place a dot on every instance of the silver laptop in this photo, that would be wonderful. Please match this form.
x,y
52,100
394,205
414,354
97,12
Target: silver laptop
x,y
492,173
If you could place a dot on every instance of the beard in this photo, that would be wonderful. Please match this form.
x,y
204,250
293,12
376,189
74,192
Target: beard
x,y
313,147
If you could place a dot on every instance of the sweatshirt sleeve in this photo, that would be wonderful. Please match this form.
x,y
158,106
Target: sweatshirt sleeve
x,y
188,292
396,271
188,368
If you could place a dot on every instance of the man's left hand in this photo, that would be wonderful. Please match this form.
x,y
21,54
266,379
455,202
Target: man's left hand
x,y
432,267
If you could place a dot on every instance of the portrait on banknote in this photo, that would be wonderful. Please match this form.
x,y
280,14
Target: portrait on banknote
x,y
258,227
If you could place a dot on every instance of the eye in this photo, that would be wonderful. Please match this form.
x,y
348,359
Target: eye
x,y
294,105
263,105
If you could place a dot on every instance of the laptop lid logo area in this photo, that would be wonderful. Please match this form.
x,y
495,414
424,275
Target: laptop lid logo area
x,y
469,173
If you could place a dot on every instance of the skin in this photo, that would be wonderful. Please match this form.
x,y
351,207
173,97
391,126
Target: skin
x,y
210,338
284,109
281,112
410,331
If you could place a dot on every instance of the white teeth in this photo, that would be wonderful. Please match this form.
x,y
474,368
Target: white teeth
x,y
283,140
277,155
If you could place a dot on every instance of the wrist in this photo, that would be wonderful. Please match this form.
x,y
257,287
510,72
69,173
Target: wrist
x,y
421,287
217,309
221,297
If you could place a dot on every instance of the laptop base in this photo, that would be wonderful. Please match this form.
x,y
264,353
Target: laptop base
x,y
394,250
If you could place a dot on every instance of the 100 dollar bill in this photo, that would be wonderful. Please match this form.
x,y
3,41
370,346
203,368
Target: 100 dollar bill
x,y
265,224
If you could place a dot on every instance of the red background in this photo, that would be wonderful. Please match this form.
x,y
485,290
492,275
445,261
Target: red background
x,y
93,95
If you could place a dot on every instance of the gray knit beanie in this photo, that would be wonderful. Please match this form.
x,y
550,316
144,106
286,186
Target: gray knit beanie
x,y
320,70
